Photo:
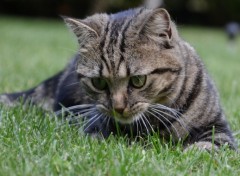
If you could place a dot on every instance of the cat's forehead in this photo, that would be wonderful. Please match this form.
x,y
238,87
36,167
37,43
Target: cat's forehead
x,y
140,61
126,44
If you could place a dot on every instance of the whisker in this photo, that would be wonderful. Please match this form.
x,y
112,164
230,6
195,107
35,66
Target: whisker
x,y
177,118
74,117
109,118
158,113
78,115
83,115
137,127
76,107
160,121
74,71
82,124
74,120
142,119
105,118
96,117
84,112
86,121
148,122
72,84
140,125
174,112
80,106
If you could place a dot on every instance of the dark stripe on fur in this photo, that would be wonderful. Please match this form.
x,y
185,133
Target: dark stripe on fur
x,y
101,69
145,92
164,70
120,61
166,89
101,46
105,63
109,47
128,70
183,88
205,131
113,39
198,131
122,44
196,89
203,113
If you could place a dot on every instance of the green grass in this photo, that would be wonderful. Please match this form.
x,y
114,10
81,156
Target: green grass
x,y
34,143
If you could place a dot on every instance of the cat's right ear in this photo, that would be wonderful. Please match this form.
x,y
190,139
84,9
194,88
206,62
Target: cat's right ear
x,y
85,34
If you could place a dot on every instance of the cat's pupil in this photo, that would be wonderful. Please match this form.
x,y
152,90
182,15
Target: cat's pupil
x,y
138,81
99,83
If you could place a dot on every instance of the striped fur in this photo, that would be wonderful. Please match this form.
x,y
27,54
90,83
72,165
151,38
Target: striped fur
x,y
178,98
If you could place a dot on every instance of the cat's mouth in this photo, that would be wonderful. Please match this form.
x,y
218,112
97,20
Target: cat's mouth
x,y
123,118
126,117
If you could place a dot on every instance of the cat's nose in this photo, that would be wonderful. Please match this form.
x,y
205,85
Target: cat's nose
x,y
119,110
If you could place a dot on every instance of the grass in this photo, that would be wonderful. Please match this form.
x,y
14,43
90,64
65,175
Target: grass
x,y
33,143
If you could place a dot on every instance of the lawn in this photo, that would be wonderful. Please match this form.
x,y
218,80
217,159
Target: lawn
x,y
35,143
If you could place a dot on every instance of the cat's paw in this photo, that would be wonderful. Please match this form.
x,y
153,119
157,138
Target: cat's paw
x,y
203,146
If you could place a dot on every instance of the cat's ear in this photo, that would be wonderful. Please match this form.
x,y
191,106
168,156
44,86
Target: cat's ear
x,y
158,26
86,35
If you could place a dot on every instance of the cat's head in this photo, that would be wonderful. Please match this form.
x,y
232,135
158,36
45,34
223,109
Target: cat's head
x,y
129,60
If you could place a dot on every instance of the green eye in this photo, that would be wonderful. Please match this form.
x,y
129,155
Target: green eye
x,y
99,83
138,81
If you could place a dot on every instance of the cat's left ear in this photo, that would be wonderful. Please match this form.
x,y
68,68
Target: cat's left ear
x,y
158,26
86,35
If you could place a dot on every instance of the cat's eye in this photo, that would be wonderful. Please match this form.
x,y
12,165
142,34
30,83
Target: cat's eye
x,y
138,81
99,83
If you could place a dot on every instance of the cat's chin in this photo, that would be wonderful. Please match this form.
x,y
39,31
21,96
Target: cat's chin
x,y
126,120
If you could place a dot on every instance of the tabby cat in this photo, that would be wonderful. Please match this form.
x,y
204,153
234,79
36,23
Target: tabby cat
x,y
135,74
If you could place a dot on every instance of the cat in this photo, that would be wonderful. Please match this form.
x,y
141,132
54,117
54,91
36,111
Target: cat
x,y
135,74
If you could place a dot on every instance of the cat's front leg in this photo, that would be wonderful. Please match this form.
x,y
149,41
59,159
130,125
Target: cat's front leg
x,y
212,142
